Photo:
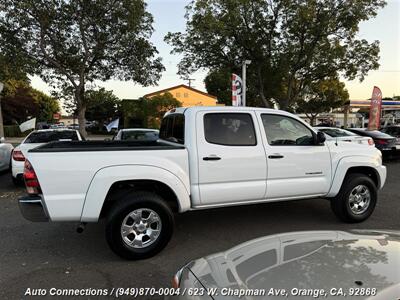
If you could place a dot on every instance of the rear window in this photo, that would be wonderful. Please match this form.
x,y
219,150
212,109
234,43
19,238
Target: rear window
x,y
173,128
138,135
51,136
374,134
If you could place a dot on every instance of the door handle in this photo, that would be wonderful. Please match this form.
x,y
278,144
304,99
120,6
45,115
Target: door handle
x,y
211,158
275,156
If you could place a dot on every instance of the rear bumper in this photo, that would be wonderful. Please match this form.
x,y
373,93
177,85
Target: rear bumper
x,y
33,209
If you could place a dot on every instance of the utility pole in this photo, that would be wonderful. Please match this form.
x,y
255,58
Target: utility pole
x,y
190,81
1,113
244,65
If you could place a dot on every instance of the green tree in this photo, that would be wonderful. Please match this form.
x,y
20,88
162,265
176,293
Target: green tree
x,y
102,106
72,43
292,44
219,84
322,97
156,107
22,101
47,106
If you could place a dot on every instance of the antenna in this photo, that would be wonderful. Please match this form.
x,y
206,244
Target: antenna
x,y
190,81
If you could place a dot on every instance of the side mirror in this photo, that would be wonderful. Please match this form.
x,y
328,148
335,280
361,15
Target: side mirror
x,y
321,138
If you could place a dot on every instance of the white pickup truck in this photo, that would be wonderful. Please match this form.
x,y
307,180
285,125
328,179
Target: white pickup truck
x,y
206,157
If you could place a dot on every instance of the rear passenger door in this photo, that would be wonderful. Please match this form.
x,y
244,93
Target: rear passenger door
x,y
231,157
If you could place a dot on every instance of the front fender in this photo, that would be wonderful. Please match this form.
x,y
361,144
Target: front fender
x,y
106,177
346,163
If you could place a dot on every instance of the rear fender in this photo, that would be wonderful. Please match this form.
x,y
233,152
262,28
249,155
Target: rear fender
x,y
106,177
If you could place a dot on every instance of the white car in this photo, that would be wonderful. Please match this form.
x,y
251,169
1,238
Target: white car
x,y
343,135
33,140
206,157
5,154
137,134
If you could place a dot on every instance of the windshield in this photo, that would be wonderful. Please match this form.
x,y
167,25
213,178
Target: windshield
x,y
137,135
336,132
51,136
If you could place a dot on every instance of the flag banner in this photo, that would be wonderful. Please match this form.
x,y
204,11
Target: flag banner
x,y
113,124
30,124
237,90
374,122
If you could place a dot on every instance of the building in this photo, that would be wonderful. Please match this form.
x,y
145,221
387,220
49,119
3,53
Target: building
x,y
187,95
68,120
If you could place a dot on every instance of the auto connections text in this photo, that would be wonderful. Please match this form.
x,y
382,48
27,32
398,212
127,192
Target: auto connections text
x,y
135,292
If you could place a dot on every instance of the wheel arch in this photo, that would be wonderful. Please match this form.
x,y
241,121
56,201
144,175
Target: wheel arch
x,y
120,188
350,166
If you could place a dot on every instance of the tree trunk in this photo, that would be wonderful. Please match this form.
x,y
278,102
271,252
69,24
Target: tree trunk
x,y
81,105
261,88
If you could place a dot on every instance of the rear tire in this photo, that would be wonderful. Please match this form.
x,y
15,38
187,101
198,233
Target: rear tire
x,y
356,199
139,225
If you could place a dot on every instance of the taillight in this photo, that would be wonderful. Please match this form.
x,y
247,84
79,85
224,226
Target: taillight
x,y
371,142
18,156
381,142
31,181
176,280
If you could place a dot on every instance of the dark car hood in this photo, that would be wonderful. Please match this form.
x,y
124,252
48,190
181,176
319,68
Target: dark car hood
x,y
306,260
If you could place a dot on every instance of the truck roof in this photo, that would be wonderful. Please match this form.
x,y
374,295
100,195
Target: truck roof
x,y
225,109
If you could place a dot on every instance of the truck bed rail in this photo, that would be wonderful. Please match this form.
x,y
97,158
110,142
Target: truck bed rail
x,y
86,146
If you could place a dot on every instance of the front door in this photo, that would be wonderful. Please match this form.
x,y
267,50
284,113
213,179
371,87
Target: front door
x,y
297,167
231,157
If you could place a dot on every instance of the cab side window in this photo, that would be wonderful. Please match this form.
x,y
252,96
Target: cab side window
x,y
285,131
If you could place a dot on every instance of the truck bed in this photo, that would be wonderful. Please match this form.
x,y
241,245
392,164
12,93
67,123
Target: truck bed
x,y
85,146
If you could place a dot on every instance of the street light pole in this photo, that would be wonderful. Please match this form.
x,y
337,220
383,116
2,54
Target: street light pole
x,y
1,113
244,65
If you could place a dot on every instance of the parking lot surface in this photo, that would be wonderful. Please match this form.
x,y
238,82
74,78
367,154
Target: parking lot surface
x,y
53,255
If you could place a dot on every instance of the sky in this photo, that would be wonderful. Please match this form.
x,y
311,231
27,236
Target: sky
x,y
169,17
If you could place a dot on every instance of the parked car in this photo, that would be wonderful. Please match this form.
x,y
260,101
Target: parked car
x,y
137,134
360,265
57,126
74,126
384,142
206,157
5,154
35,139
344,135
394,131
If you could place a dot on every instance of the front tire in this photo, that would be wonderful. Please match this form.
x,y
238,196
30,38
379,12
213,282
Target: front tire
x,y
139,225
356,199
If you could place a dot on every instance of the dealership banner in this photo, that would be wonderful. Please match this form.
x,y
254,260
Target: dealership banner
x,y
375,109
237,90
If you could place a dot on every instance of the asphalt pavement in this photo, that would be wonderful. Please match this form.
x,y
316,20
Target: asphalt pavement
x,y
53,255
